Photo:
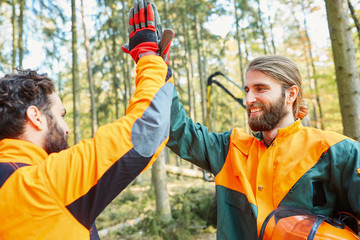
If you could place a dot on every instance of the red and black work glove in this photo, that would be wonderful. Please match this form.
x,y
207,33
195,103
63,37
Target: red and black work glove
x,y
145,33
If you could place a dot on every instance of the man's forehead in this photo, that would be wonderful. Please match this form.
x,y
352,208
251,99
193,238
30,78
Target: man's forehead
x,y
257,78
56,101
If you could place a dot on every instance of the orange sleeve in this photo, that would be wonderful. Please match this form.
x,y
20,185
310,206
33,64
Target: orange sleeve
x,y
86,177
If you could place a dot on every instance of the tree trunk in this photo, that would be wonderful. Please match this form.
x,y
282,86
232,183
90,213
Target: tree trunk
x,y
190,64
356,21
13,22
271,29
204,61
307,79
263,36
158,171
112,31
21,31
125,66
347,76
114,63
166,13
314,74
130,65
246,48
200,65
187,68
75,76
241,65
94,123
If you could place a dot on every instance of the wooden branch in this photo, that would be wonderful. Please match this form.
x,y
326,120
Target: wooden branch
x,y
194,173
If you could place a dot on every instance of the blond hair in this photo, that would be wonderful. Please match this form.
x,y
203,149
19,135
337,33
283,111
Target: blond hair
x,y
286,72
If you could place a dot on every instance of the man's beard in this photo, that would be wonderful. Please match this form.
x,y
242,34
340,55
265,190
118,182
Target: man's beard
x,y
270,117
56,140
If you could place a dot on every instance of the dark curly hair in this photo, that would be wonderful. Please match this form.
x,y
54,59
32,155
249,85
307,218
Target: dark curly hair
x,y
17,93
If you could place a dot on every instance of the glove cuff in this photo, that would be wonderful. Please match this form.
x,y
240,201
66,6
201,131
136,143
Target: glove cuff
x,y
147,53
143,48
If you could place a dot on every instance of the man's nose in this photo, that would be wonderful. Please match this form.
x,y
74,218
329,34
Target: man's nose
x,y
250,98
67,130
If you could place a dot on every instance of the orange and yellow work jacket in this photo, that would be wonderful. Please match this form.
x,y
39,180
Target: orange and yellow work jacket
x,y
59,196
304,167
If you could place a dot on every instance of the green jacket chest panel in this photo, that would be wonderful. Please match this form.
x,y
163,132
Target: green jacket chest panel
x,y
331,185
236,216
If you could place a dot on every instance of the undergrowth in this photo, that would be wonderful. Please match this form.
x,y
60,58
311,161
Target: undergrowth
x,y
192,213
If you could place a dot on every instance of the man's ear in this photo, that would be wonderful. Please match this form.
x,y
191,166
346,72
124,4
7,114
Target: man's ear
x,y
35,118
291,94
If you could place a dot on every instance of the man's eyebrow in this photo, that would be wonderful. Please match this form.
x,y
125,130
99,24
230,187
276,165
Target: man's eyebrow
x,y
261,85
258,85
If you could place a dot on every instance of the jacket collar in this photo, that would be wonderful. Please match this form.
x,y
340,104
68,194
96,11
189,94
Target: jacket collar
x,y
282,132
13,150
289,130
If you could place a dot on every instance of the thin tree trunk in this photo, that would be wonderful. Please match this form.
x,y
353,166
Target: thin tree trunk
x,y
160,185
347,75
356,21
125,66
94,123
190,65
246,125
125,81
308,74
271,29
262,28
130,64
245,47
75,76
200,65
187,68
241,65
21,31
13,22
113,67
166,13
314,74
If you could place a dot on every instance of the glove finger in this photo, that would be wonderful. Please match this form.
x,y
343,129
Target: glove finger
x,y
131,23
157,21
150,22
136,15
165,42
142,13
156,16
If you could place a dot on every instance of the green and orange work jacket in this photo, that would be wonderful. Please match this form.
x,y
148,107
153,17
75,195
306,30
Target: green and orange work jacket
x,y
59,196
304,167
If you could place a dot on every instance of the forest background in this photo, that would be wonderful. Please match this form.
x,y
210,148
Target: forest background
x,y
78,43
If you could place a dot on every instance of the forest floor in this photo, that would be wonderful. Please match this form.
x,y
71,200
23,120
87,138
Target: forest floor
x,y
132,215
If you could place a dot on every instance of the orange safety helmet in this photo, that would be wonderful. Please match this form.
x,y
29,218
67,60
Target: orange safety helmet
x,y
290,223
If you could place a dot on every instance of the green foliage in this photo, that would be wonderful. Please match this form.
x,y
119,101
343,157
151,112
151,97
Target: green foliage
x,y
193,207
121,209
192,213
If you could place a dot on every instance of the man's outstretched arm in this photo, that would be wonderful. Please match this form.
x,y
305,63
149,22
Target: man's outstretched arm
x,y
86,177
193,142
